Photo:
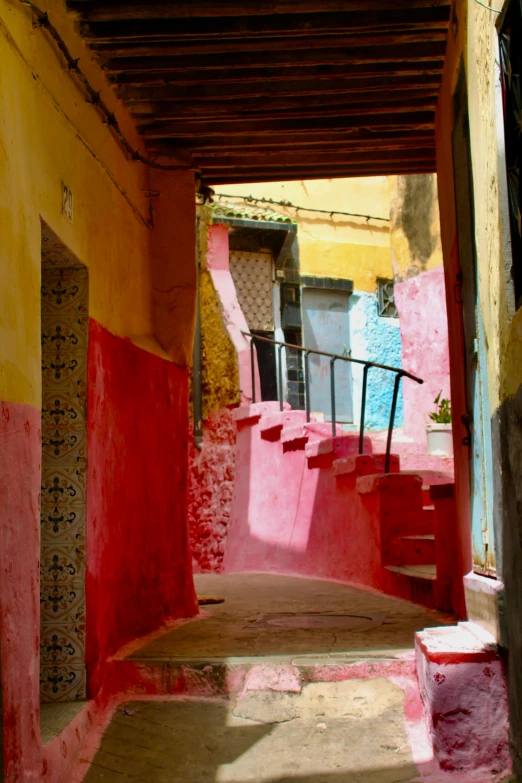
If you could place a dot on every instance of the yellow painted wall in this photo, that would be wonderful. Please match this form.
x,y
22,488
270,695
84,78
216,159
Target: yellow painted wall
x,y
503,327
335,246
50,135
414,225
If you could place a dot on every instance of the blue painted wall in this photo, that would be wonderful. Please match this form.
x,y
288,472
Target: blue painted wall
x,y
379,340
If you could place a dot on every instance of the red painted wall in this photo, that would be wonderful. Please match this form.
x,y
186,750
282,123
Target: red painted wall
x,y
19,585
138,564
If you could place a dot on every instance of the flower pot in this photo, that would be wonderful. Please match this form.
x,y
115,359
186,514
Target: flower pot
x,y
440,440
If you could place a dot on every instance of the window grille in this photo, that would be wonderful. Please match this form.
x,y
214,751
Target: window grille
x,y
386,297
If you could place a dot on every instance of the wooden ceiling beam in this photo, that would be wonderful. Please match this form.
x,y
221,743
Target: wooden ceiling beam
x,y
286,26
327,138
183,108
297,160
276,92
364,170
236,115
204,157
152,48
420,120
183,9
417,52
268,78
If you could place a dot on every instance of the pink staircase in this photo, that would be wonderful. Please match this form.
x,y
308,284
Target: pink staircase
x,y
308,503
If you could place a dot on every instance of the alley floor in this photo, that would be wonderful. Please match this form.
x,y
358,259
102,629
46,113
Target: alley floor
x,y
318,686
281,617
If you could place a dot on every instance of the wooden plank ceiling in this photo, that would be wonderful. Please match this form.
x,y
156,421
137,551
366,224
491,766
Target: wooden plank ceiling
x,y
276,89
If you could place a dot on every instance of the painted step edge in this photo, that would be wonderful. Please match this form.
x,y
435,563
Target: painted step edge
x,y
282,419
293,434
256,410
382,481
364,464
426,572
318,448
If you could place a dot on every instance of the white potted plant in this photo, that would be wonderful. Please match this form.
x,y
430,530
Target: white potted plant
x,y
440,437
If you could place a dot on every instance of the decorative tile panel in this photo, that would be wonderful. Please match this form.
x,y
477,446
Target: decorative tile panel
x,y
64,455
252,276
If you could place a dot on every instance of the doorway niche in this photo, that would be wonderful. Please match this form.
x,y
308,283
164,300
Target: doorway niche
x,y
64,335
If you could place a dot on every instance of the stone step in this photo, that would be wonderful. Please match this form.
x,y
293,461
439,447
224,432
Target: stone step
x,y
341,446
270,426
416,550
413,583
364,465
294,435
426,571
250,414
463,689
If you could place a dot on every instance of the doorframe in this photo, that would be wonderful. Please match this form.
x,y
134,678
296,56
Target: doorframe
x,y
482,515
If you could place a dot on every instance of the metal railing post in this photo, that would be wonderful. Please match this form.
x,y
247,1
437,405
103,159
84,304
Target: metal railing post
x,y
332,392
399,373
280,376
392,419
252,368
307,385
363,407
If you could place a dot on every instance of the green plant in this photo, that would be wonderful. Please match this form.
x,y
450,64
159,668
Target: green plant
x,y
443,413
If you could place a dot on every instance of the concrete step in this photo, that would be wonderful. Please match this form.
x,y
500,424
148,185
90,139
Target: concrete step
x,y
463,689
322,453
270,426
250,414
364,465
413,583
416,550
294,436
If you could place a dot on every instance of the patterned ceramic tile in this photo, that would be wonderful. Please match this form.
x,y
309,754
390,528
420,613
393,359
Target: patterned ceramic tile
x,y
61,564
62,603
59,647
62,683
64,452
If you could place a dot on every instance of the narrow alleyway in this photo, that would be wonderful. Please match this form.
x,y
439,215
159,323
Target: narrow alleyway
x,y
286,680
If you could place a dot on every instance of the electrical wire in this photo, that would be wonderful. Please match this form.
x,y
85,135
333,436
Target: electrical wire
x,y
42,19
331,212
493,10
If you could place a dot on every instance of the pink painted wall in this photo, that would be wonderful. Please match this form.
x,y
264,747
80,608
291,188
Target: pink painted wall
x,y
218,265
210,490
138,564
421,301
138,561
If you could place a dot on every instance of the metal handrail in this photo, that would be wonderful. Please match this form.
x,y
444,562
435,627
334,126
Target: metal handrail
x,y
399,374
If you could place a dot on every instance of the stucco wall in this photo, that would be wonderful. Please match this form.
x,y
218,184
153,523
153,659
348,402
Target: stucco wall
x,y
474,42
377,339
336,245
142,283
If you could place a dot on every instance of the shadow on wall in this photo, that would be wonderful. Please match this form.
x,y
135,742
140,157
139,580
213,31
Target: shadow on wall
x,y
290,514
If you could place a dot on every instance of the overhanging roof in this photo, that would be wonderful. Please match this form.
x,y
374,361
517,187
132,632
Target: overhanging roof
x,y
257,90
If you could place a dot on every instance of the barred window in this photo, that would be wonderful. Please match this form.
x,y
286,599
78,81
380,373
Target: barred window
x,y
386,297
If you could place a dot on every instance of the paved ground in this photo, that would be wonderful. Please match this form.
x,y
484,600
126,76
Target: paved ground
x,y
249,623
349,732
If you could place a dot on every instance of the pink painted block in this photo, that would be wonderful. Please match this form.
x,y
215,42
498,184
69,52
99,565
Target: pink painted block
x,y
463,689
294,434
341,446
364,464
282,419
255,411
382,482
